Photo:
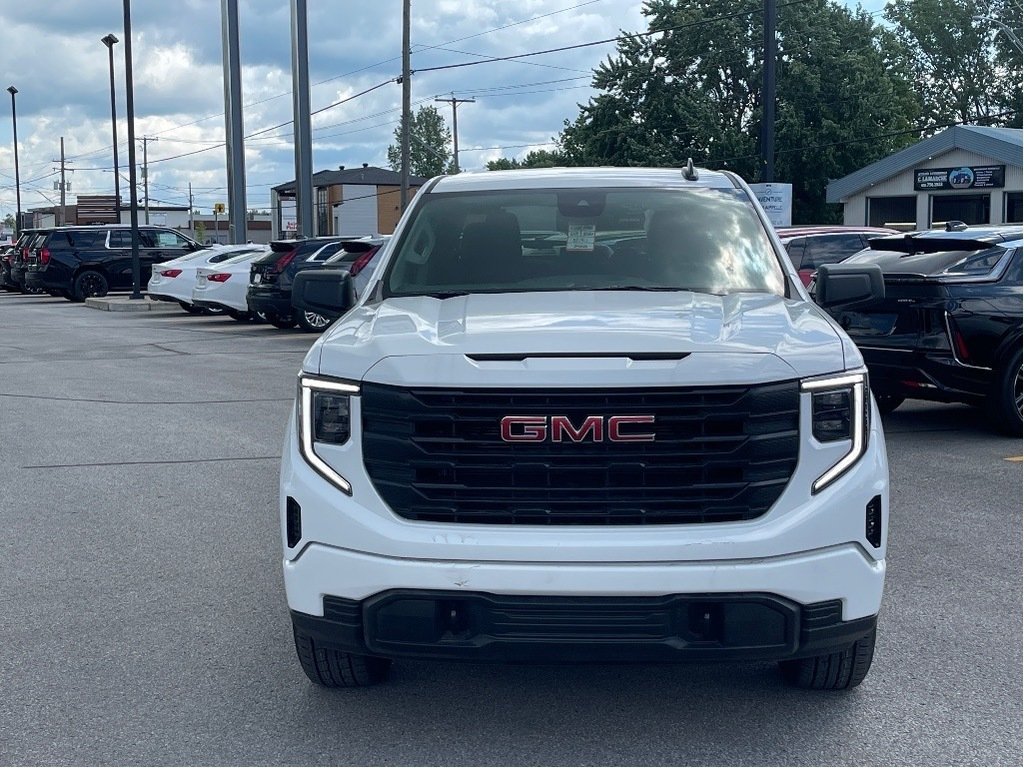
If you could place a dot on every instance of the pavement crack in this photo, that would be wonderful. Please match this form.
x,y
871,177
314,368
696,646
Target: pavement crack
x,y
143,463
146,402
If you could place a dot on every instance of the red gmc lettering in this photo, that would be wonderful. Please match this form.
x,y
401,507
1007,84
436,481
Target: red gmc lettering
x,y
529,429
563,425
616,434
536,429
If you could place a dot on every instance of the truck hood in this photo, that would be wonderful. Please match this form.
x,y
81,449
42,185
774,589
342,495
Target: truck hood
x,y
742,338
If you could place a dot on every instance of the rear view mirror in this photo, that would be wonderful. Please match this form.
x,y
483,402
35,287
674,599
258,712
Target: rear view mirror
x,y
850,286
328,292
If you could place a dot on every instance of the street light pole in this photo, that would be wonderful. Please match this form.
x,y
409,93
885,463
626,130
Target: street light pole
x,y
133,180
109,41
1009,32
17,176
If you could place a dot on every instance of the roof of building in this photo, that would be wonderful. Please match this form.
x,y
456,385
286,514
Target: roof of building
x,y
1003,145
568,178
367,174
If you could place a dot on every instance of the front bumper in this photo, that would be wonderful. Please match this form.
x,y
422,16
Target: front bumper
x,y
479,626
809,549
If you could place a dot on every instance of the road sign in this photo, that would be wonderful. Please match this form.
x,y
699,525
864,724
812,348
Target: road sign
x,y
218,208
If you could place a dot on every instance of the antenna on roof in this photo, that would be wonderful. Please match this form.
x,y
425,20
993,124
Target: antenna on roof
x,y
689,172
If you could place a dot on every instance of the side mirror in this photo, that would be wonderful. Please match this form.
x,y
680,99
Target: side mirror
x,y
850,286
328,292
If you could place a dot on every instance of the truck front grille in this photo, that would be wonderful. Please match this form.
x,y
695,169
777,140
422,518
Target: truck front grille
x,y
720,454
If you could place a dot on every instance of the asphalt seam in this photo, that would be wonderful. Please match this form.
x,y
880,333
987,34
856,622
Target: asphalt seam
x,y
138,463
147,402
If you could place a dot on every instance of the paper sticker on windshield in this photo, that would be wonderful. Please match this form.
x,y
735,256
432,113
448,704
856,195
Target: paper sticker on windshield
x,y
581,237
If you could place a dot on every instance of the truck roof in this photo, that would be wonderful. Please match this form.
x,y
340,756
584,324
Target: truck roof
x,y
574,178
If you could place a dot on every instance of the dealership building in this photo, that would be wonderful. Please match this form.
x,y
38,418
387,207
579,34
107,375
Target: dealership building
x,y
967,173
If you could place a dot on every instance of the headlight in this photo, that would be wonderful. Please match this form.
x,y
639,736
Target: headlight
x,y
840,411
324,417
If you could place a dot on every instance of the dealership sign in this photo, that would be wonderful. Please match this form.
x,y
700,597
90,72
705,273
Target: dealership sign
x,y
964,177
777,201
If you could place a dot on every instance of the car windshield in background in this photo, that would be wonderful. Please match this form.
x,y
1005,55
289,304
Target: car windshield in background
x,y
704,240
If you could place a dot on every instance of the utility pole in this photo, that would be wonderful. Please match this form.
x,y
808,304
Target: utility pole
x,y
455,123
303,141
63,184
233,133
191,218
768,95
129,87
17,174
145,170
406,101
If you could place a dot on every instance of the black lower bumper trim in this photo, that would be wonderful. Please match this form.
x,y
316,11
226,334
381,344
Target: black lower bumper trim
x,y
477,626
274,304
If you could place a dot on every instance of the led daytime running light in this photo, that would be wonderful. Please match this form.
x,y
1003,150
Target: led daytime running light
x,y
307,385
856,382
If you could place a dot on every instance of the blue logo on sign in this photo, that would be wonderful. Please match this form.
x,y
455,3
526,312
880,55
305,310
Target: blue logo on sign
x,y
961,178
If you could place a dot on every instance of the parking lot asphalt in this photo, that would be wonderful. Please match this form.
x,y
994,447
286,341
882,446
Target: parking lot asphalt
x,y
144,618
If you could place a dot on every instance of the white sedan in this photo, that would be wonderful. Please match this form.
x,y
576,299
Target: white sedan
x,y
223,286
173,280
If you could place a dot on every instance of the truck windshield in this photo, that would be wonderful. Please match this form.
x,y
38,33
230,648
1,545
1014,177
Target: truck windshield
x,y
704,240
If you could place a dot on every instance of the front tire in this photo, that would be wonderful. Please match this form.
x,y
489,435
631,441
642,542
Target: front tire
x,y
337,669
90,284
832,671
311,322
1006,400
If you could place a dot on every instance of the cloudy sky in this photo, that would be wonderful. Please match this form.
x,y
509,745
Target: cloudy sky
x,y
53,54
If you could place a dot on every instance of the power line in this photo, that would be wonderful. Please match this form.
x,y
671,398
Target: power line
x,y
372,66
620,38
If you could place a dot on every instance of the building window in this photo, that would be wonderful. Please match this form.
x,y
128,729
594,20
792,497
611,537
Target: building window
x,y
1012,212
895,212
323,212
970,209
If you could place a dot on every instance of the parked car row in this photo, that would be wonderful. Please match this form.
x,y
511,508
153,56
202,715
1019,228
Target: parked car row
x,y
949,327
811,247
248,282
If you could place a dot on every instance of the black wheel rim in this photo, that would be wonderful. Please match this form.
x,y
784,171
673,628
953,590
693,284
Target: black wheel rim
x,y
92,285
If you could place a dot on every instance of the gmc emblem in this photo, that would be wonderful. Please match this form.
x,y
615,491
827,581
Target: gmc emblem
x,y
597,429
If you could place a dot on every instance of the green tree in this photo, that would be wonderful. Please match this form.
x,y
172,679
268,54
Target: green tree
x,y
696,92
964,70
430,152
9,221
538,158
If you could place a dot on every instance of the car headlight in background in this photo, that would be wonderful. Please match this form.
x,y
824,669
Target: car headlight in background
x,y
840,410
324,417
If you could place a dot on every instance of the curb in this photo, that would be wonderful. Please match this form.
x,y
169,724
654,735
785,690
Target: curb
x,y
119,304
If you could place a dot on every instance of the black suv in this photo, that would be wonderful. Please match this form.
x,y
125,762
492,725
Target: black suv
x,y
270,277
79,262
14,271
949,327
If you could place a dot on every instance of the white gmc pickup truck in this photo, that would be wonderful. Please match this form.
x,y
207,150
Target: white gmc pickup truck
x,y
585,414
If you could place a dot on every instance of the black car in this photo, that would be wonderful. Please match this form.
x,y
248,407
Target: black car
x,y
949,328
79,262
15,273
270,277
6,254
